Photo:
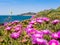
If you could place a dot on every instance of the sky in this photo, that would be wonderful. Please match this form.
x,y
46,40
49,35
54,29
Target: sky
x,y
23,6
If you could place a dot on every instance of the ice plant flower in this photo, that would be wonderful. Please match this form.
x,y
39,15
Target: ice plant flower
x,y
44,19
39,41
53,42
46,31
33,21
17,27
8,28
55,21
30,31
40,21
39,32
29,26
16,21
37,35
58,34
5,24
55,35
15,35
33,16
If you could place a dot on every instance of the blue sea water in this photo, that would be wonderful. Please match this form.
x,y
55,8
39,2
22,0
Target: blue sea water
x,y
7,18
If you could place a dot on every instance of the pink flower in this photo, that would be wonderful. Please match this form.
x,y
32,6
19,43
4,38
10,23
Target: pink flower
x,y
39,32
39,41
33,21
29,26
15,35
32,16
58,34
44,19
16,21
18,27
55,35
53,42
40,21
46,31
36,35
5,24
8,28
30,31
55,21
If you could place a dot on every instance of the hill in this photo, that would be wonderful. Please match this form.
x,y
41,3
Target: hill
x,y
28,13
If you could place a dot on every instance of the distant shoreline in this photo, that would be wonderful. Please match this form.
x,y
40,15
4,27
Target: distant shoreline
x,y
26,15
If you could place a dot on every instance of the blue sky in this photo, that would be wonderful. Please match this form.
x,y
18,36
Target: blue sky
x,y
22,6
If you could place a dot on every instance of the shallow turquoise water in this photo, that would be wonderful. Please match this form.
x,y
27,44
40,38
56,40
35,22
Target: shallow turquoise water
x,y
7,18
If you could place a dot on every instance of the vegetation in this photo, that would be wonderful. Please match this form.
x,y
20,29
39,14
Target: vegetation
x,y
24,38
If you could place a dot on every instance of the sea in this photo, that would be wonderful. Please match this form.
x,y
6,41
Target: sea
x,y
9,18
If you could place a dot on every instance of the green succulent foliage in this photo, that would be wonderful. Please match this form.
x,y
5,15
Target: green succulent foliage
x,y
57,27
51,13
47,37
